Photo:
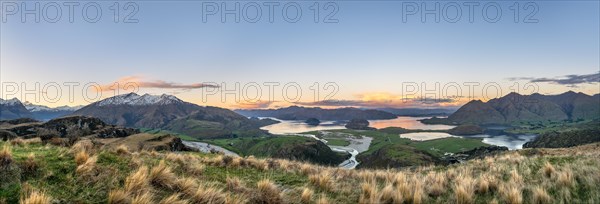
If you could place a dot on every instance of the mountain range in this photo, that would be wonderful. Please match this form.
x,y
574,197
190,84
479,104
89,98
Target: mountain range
x,y
304,113
526,108
14,108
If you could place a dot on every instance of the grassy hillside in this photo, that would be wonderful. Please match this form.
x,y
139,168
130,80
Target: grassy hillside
x,y
285,147
85,174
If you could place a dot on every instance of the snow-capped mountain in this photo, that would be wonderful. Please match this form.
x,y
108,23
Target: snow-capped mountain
x,y
169,113
12,109
10,102
137,100
37,108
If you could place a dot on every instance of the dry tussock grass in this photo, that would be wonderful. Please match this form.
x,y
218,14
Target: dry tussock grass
x,y
511,193
17,142
87,167
208,194
306,196
81,157
30,165
322,180
268,192
137,182
143,198
123,150
174,199
162,176
118,197
35,197
6,156
540,196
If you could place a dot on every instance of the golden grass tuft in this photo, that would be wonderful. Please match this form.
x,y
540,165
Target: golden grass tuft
x,y
369,193
82,145
234,184
137,182
540,196
511,193
36,197
118,197
565,178
548,169
174,199
6,157
268,192
306,196
323,199
186,185
17,142
81,157
162,176
236,199
143,198
194,168
30,165
390,195
208,195
88,166
322,180
123,150
436,183
464,189
483,185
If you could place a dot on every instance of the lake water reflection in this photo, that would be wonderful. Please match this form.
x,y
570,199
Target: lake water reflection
x,y
407,123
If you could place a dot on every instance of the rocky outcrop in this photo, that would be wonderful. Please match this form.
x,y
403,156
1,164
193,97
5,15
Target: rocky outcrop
x,y
477,153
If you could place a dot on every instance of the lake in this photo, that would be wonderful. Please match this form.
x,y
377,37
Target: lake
x,y
298,126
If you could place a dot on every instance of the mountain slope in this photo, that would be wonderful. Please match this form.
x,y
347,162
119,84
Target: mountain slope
x,y
13,109
514,108
304,113
168,112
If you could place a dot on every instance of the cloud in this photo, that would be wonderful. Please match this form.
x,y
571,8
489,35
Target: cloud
x,y
381,100
569,80
253,105
133,82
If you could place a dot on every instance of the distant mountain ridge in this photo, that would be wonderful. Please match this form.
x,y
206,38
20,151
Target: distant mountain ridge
x,y
416,112
526,108
170,113
14,108
304,113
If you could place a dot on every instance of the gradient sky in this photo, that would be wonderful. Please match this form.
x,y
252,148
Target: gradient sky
x,y
369,54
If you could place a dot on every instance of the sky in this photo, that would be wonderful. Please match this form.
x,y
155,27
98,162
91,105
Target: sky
x,y
358,53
